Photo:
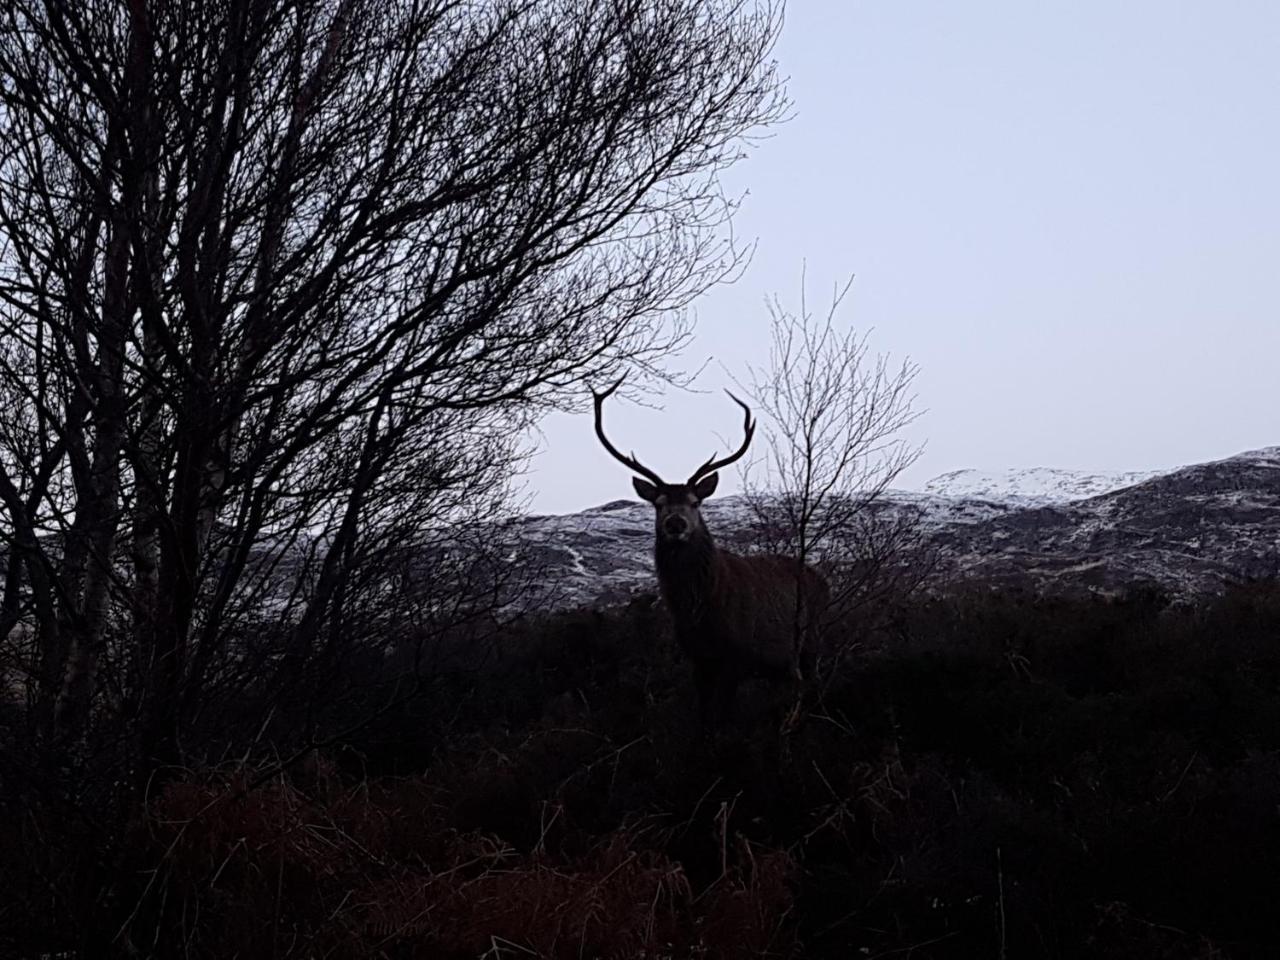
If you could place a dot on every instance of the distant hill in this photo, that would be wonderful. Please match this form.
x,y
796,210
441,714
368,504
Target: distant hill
x,y
1032,486
1187,531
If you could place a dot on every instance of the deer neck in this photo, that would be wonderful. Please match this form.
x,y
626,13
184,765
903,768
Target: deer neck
x,y
686,574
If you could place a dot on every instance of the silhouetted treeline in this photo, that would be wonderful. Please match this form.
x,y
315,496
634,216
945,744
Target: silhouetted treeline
x,y
283,285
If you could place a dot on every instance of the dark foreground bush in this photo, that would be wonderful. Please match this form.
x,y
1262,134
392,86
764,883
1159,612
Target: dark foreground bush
x,y
1006,777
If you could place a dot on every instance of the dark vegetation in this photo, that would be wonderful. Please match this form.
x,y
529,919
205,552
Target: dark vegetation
x,y
282,285
1002,776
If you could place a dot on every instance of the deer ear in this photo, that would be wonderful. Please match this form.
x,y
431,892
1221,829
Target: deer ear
x,y
645,489
706,486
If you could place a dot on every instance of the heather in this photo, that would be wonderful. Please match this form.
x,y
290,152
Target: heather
x,y
995,774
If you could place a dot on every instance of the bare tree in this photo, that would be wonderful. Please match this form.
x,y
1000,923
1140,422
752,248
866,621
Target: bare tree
x,y
835,414
281,279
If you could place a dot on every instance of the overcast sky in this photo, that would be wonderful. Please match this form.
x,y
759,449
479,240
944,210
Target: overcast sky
x,y
1067,213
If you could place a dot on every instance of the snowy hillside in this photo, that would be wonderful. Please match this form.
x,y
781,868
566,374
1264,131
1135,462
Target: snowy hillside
x,y
1189,530
1033,486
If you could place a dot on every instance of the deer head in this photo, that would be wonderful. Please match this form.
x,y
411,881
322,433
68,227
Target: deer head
x,y
677,504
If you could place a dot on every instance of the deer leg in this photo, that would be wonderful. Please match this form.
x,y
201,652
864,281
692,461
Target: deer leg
x,y
727,693
806,676
810,645
704,682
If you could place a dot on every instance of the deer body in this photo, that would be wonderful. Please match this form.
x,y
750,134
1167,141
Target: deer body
x,y
734,616
737,616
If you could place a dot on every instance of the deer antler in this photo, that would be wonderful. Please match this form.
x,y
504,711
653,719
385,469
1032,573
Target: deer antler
x,y
630,461
748,428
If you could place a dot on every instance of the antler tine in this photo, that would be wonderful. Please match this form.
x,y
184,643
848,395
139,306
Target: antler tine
x,y
631,461
748,428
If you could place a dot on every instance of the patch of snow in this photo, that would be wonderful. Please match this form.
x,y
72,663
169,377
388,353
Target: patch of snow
x,y
578,566
1034,486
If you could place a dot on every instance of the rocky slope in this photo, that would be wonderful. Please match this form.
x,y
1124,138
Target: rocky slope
x,y
1188,531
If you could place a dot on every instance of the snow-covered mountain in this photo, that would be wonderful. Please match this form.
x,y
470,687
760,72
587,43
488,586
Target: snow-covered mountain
x,y
1034,486
1188,530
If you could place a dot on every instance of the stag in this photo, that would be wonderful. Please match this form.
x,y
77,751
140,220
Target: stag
x,y
734,616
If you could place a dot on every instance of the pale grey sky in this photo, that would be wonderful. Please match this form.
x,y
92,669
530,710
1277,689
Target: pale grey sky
x,y
1067,213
